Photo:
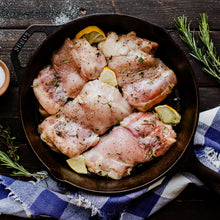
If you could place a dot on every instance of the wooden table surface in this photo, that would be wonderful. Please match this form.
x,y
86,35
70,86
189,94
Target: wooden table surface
x,y
16,16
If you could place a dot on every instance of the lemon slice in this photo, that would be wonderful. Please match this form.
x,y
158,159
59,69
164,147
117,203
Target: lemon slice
x,y
167,114
91,33
77,163
108,76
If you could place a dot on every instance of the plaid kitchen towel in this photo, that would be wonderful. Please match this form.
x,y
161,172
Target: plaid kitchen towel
x,y
30,199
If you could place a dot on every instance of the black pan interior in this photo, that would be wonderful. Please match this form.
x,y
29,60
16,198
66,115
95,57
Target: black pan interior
x,y
184,98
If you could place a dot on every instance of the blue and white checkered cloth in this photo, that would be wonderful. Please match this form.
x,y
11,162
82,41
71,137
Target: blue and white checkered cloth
x,y
31,199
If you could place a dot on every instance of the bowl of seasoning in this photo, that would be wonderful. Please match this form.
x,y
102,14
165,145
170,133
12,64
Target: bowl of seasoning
x,y
4,77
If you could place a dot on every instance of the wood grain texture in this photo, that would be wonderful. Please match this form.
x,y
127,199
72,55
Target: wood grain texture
x,y
23,13
16,16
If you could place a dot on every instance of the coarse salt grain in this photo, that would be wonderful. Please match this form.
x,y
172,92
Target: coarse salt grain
x,y
2,77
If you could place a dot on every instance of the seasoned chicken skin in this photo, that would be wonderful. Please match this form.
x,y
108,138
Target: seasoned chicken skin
x,y
49,90
79,56
152,134
150,86
115,154
99,106
65,136
140,138
89,59
127,54
66,68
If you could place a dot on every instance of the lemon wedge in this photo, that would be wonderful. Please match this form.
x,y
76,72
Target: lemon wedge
x,y
167,114
77,163
92,34
108,76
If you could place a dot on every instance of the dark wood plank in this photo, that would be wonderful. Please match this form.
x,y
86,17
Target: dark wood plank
x,y
161,12
8,39
209,97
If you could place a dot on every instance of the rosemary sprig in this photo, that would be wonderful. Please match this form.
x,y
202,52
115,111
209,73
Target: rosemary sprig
x,y
207,41
207,55
19,170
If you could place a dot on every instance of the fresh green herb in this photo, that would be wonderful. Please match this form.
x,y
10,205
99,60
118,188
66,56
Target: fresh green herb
x,y
123,160
59,133
19,170
141,60
149,155
147,123
55,82
33,86
118,119
141,74
124,70
90,135
170,86
8,141
66,61
207,55
145,106
205,38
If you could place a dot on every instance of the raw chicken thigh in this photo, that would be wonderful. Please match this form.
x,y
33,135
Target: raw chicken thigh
x,y
127,54
89,59
150,86
64,64
115,155
66,136
152,134
140,138
99,106
49,91
76,62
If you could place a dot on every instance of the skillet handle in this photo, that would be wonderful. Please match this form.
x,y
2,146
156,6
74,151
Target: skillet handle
x,y
206,175
47,29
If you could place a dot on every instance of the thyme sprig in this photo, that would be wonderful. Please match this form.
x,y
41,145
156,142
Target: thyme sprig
x,y
11,158
19,170
207,54
6,139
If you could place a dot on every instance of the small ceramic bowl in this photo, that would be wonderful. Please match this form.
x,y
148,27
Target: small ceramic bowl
x,y
7,78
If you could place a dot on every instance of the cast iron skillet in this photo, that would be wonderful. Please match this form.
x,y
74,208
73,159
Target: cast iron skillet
x,y
184,98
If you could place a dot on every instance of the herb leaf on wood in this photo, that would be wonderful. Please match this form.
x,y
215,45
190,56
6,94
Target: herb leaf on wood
x,y
207,54
10,160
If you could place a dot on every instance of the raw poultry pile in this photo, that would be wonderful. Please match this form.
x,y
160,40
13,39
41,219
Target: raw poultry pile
x,y
110,126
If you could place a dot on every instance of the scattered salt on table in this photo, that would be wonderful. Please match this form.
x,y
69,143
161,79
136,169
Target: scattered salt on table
x,y
2,77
